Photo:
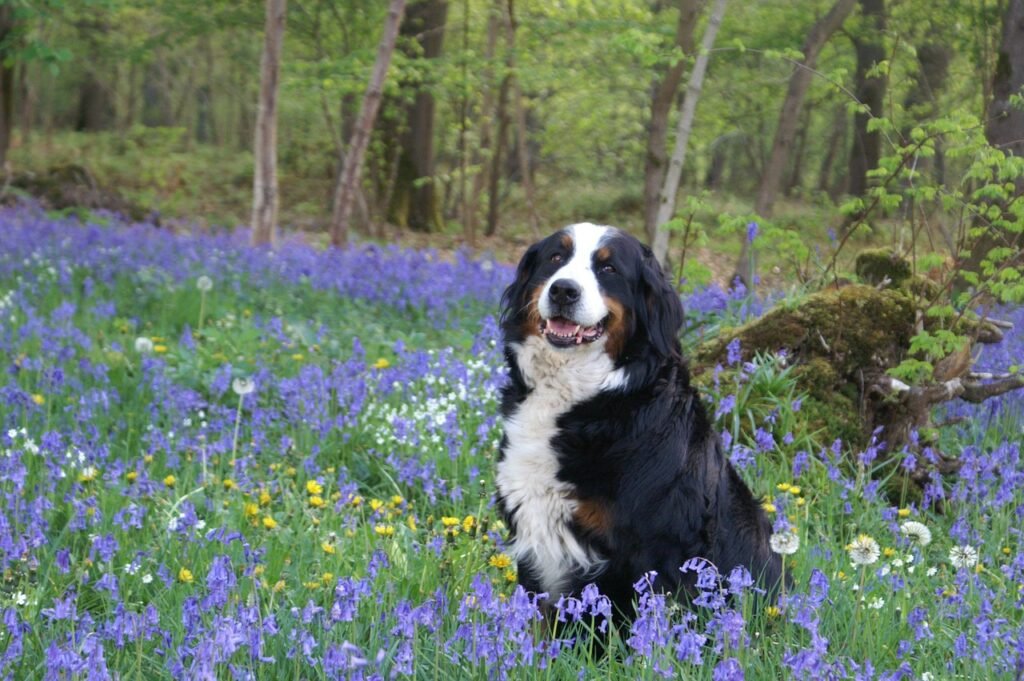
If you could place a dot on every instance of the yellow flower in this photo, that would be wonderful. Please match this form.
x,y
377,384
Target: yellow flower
x,y
396,500
356,500
772,611
185,576
148,458
131,476
328,548
39,399
468,523
903,512
449,521
314,487
800,501
411,522
500,561
1006,550
510,575
384,530
170,480
229,484
159,348
381,363
782,486
265,497
298,357
768,507
269,522
888,552
376,504
316,501
251,510
327,578
794,490
290,471
279,585
258,570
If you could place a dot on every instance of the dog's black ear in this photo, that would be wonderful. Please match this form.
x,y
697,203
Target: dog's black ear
x,y
662,312
515,297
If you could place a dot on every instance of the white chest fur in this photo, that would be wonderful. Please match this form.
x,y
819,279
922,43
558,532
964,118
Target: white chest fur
x,y
527,476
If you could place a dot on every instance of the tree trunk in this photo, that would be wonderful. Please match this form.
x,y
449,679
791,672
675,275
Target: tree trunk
x,y
265,197
870,91
665,90
789,117
7,26
348,181
414,203
796,174
487,111
521,149
836,137
1005,128
667,201
500,142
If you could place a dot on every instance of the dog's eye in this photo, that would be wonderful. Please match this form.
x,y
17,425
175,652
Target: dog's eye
x,y
608,269
556,258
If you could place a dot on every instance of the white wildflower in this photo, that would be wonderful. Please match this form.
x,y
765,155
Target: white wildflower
x,y
864,550
916,532
143,345
785,543
243,386
963,557
204,283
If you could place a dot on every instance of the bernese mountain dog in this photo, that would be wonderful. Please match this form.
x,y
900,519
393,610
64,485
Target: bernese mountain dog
x,y
609,466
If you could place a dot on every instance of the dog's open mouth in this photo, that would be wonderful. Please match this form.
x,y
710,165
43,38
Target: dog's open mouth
x,y
564,333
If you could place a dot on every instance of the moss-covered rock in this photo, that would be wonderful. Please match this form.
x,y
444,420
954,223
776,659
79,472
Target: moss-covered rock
x,y
875,265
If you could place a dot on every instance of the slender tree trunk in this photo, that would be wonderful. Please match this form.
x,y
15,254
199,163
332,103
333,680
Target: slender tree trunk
x,y
1005,128
348,181
501,141
834,141
414,203
870,91
665,90
487,111
265,197
796,173
789,118
520,110
7,26
667,202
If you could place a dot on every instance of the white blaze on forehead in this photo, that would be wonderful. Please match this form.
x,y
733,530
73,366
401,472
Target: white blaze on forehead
x,y
586,239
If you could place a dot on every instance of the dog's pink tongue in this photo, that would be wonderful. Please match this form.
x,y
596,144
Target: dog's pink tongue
x,y
561,326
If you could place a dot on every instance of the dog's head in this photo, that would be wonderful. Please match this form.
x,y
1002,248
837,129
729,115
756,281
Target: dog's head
x,y
590,284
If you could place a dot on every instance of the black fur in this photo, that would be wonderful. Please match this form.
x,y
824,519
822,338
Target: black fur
x,y
647,452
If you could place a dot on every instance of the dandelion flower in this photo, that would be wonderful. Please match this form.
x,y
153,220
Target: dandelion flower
x,y
204,283
768,507
381,363
269,522
316,501
39,399
185,576
385,530
500,561
903,512
314,487
243,386
917,533
170,480
963,557
328,548
159,349
785,543
143,345
864,550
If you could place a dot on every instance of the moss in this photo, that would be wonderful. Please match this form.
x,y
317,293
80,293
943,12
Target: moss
x,y
921,287
873,266
853,328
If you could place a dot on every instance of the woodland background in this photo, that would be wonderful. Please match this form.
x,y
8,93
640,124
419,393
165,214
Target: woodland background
x,y
509,118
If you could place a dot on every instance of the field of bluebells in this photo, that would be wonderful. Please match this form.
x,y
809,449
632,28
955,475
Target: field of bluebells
x,y
220,462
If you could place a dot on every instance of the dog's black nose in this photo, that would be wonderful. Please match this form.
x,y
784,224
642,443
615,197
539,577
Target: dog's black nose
x,y
564,292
